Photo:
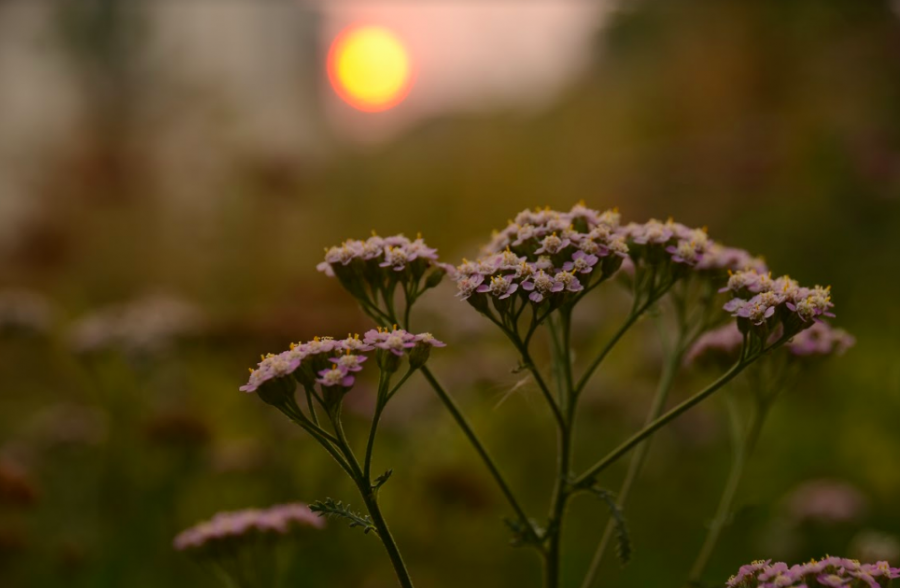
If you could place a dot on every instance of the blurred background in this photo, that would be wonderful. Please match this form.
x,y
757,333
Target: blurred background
x,y
171,170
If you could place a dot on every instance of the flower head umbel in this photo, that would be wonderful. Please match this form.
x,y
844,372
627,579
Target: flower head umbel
x,y
543,256
830,571
763,302
242,544
371,270
821,339
271,367
721,258
139,328
719,347
326,362
397,341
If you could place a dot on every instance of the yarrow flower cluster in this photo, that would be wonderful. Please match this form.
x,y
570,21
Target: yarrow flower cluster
x,y
395,253
141,327
724,343
545,261
545,255
719,257
760,301
683,244
821,339
834,572
372,270
332,362
227,529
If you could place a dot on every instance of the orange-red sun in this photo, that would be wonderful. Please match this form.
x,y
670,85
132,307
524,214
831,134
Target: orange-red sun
x,y
369,68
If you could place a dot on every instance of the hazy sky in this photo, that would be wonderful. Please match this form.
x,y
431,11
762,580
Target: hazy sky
x,y
478,55
232,77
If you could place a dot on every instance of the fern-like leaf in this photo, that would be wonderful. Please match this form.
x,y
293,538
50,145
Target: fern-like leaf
x,y
330,509
623,538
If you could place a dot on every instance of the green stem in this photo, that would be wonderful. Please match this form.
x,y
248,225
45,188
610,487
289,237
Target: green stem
x,y
364,484
559,500
384,533
466,428
402,381
548,396
561,490
660,422
473,439
636,313
311,406
380,403
637,460
528,362
742,451
321,436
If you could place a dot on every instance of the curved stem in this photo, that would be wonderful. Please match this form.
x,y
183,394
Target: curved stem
x,y
535,372
402,381
660,422
473,439
324,439
742,451
380,402
364,484
311,406
466,428
384,533
528,362
636,313
637,460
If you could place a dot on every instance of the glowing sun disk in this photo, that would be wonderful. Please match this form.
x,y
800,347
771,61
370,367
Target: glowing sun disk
x,y
369,68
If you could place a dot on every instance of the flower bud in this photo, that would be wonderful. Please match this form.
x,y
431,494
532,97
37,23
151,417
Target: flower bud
x,y
277,392
435,277
418,355
388,362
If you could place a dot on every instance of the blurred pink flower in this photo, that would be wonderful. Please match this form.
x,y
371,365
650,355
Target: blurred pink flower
x,y
827,501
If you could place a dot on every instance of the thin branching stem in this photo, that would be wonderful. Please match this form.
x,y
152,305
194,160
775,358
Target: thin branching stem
x,y
561,488
381,401
463,423
743,448
476,443
666,380
675,412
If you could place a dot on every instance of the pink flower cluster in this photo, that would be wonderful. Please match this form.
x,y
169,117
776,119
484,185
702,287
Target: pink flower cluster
x,y
237,525
721,258
821,339
831,571
757,297
547,253
684,244
345,357
544,253
396,253
723,344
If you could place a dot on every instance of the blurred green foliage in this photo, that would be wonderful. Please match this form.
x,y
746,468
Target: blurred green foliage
x,y
777,124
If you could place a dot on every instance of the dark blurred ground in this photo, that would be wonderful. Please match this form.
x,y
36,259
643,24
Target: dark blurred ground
x,y
776,124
